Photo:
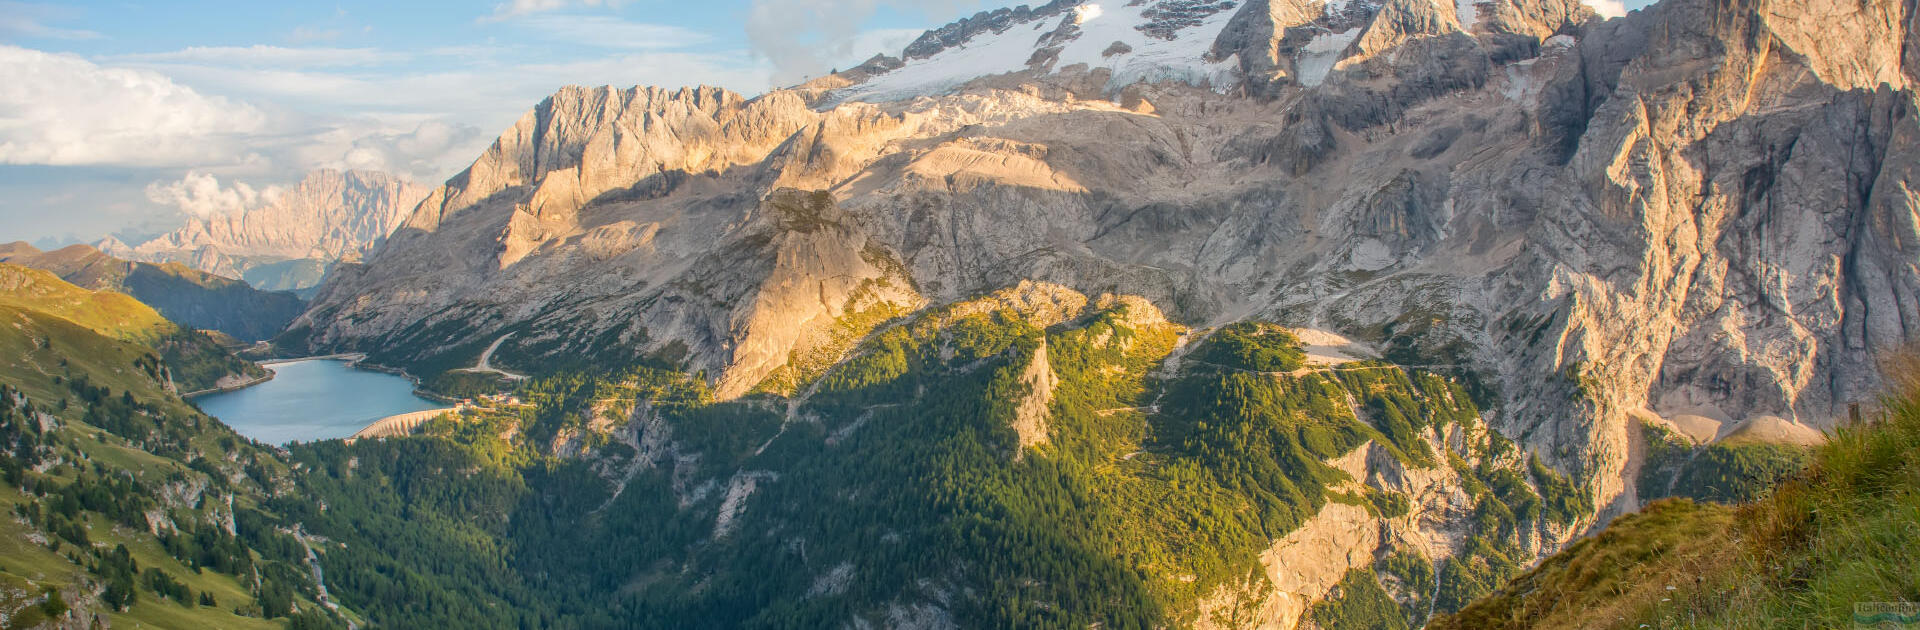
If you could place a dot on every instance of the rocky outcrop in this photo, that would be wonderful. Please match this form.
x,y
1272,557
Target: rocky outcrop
x,y
1030,414
329,216
1696,210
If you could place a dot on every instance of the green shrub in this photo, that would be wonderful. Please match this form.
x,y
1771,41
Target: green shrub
x,y
1357,603
1255,347
1738,473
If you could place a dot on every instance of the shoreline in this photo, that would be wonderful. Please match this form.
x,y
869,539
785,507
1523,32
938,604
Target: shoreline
x,y
229,388
415,380
355,360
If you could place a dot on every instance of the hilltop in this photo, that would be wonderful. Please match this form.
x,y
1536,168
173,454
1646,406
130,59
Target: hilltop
x,y
192,298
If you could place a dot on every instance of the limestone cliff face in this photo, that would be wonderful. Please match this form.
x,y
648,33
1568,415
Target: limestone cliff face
x,y
1702,209
330,215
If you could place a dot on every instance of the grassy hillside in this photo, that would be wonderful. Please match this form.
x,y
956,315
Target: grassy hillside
x,y
1841,533
186,296
125,505
38,301
111,314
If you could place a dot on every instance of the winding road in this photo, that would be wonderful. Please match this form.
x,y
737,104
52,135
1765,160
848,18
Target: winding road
x,y
486,362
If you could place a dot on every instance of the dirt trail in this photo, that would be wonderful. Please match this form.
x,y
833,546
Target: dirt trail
x,y
486,362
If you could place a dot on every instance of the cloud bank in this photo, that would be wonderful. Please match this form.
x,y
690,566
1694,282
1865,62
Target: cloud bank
x,y
201,195
59,109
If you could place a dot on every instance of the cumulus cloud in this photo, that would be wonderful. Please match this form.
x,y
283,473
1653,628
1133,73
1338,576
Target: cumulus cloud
x,y
804,38
429,151
1607,8
59,109
201,195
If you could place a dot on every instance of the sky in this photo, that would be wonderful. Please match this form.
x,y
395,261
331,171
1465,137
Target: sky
x,y
126,117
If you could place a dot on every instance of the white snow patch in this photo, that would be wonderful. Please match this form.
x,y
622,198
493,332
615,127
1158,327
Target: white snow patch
x,y
1467,13
1086,13
1608,8
1520,84
1371,255
1150,60
984,55
1317,58
1523,83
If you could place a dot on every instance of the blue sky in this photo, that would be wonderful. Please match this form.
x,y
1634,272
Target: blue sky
x,y
127,116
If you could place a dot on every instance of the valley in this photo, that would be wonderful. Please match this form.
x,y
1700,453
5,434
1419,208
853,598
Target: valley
x,y
1211,314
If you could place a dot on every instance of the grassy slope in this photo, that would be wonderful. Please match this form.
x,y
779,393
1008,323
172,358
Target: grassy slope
x,y
37,302
182,294
43,354
37,349
1842,533
112,314
31,365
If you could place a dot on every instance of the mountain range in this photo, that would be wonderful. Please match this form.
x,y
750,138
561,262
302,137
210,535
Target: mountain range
x,y
1194,313
1694,221
289,243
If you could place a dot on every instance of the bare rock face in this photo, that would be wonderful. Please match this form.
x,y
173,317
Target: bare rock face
x,y
1030,416
330,215
1704,209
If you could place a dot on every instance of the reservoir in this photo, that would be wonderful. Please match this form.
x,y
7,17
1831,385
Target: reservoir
x,y
316,399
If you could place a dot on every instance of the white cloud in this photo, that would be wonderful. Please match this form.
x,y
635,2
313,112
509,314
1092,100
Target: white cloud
x,y
201,195
269,56
60,109
429,151
1607,8
866,44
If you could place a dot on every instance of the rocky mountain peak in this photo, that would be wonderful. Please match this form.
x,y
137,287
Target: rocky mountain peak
x,y
329,215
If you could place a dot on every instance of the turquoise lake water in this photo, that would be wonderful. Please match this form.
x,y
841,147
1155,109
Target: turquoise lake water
x,y
314,400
